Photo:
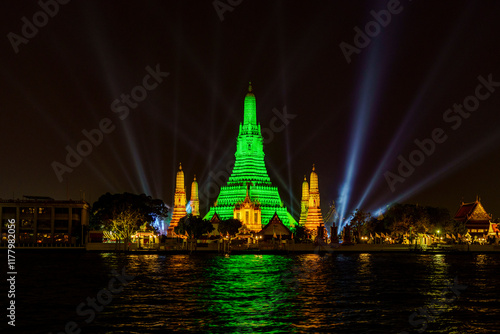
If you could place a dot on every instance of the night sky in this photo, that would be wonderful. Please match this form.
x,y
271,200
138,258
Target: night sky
x,y
352,119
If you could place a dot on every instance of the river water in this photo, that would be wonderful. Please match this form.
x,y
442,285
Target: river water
x,y
339,293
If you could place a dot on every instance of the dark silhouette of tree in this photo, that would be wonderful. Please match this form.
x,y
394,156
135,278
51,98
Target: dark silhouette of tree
x,y
229,226
194,227
440,219
300,233
360,222
400,218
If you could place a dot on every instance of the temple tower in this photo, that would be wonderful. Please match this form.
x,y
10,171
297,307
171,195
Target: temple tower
x,y
314,217
195,201
249,187
304,203
179,200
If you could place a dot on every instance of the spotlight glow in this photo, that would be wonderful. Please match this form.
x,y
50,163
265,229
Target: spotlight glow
x,y
408,123
365,101
158,224
405,128
443,170
132,145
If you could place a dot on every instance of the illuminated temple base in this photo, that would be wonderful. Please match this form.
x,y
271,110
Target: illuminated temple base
x,y
232,201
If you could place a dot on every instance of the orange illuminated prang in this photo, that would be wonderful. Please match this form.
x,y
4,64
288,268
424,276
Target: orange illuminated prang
x,y
195,201
304,203
180,201
314,218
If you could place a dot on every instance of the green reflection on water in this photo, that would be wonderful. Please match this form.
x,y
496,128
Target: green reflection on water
x,y
248,293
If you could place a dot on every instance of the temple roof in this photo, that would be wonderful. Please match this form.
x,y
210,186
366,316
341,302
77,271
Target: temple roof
x,y
478,224
215,218
275,226
472,211
464,210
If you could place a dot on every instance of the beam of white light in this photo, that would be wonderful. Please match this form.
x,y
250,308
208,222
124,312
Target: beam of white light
x,y
408,123
365,101
132,146
442,171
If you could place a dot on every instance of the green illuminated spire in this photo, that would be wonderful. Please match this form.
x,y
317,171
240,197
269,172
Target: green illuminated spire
x,y
249,164
250,171
250,112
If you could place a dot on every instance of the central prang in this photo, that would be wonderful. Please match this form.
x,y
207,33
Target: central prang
x,y
249,194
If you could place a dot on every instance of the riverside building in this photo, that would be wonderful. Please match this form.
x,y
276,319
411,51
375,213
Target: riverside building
x,y
45,220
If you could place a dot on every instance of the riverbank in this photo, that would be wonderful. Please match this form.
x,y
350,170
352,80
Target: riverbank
x,y
299,248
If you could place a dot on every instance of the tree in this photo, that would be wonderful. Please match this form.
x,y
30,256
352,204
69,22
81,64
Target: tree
x,y
113,210
300,233
359,222
400,218
456,227
195,227
439,219
229,226
124,224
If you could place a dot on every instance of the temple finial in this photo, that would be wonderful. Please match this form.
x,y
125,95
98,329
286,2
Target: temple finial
x,y
250,87
314,168
194,177
180,166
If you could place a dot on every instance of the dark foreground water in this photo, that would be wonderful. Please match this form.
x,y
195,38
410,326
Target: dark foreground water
x,y
343,293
